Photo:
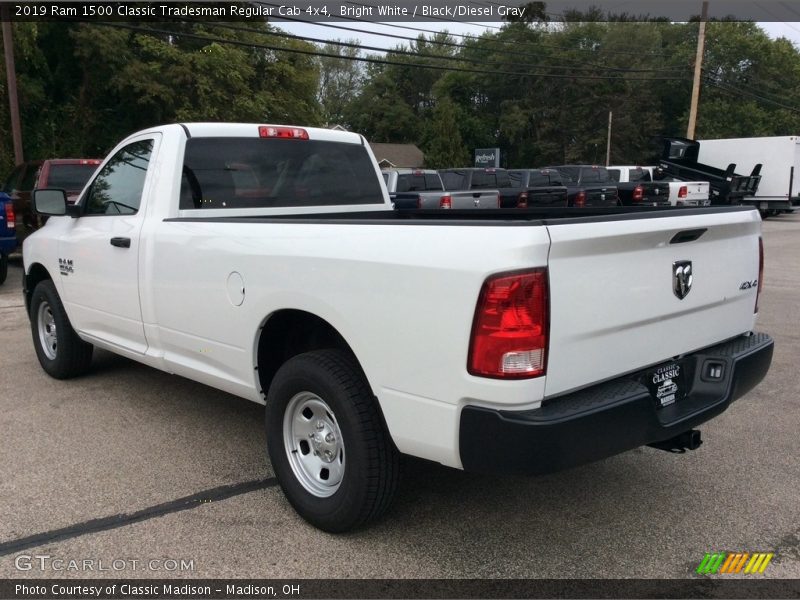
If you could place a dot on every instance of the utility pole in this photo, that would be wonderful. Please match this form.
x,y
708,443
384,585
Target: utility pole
x,y
11,75
608,141
698,67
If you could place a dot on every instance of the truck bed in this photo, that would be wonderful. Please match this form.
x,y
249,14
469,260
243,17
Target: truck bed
x,y
529,216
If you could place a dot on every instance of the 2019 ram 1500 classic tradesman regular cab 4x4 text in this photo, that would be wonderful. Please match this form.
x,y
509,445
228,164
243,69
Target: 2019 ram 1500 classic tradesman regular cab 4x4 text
x,y
267,261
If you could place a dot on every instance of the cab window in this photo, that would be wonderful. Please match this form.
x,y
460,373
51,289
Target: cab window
x,y
117,189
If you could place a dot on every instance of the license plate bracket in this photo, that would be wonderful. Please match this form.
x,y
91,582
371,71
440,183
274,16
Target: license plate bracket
x,y
668,383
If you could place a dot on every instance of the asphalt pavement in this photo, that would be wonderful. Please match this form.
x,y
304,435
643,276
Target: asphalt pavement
x,y
150,470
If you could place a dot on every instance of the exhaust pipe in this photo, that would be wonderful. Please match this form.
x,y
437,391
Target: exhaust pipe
x,y
688,440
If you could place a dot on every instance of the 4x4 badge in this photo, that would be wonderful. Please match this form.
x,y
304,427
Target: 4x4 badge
x,y
681,278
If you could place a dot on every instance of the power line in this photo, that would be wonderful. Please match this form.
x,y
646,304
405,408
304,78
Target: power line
x,y
425,55
377,60
460,35
729,88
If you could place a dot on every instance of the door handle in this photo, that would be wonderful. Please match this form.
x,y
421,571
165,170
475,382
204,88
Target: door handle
x,y
121,242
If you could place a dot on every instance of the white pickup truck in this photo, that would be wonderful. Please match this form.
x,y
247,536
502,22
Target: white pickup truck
x,y
266,261
681,193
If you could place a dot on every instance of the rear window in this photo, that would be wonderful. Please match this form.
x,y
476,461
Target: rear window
x,y
569,174
487,180
453,180
517,178
68,177
615,174
418,182
595,175
639,174
268,172
544,178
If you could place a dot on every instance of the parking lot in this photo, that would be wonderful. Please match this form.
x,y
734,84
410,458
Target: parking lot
x,y
130,440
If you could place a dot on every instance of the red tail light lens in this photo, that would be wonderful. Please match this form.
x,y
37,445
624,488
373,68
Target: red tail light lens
x,y
446,202
509,332
580,199
11,220
683,192
638,193
760,271
522,200
290,133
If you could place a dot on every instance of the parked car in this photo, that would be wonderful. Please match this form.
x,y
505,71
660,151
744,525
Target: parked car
x,y
474,187
588,185
69,174
495,342
416,188
537,188
636,187
8,234
680,159
779,156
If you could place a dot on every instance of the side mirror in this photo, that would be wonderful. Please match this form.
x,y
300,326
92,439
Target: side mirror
x,y
52,203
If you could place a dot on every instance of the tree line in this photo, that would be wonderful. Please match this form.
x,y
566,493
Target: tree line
x,y
540,91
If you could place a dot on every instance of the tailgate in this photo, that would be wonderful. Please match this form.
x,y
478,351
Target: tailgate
x,y
547,196
475,199
656,193
613,309
601,196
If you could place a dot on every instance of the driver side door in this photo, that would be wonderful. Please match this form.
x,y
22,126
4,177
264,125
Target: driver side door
x,y
99,253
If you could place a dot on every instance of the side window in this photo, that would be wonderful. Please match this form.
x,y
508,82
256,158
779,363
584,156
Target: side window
x,y
117,189
614,174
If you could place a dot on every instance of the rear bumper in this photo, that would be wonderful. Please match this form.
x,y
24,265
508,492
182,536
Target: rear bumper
x,y
611,417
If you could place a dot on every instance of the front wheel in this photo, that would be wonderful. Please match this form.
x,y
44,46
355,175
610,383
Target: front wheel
x,y
61,352
327,441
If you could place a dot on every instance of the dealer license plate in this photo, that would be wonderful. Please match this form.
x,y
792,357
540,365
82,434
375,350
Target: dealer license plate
x,y
667,383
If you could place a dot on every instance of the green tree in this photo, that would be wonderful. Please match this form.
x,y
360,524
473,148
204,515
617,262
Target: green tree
x,y
444,147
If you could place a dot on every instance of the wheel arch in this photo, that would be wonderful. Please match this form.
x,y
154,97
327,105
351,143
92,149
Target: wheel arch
x,y
36,274
289,332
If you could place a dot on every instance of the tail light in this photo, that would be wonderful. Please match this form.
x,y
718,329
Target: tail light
x,y
580,199
446,201
292,133
683,192
509,332
522,200
638,193
760,271
11,220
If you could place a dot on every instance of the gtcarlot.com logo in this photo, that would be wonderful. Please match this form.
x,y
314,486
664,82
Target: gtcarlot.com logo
x,y
45,562
726,563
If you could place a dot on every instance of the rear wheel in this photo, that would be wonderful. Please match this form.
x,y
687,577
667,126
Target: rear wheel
x,y
327,441
60,351
3,267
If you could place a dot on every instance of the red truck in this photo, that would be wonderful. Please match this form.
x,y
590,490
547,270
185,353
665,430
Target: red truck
x,y
68,174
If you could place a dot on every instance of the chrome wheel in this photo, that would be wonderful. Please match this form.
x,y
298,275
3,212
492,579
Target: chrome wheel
x,y
48,336
314,444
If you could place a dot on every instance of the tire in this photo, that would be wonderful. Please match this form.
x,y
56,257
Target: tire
x,y
61,352
324,393
3,267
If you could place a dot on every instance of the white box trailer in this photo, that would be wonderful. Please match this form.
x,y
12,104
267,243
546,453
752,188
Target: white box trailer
x,y
780,172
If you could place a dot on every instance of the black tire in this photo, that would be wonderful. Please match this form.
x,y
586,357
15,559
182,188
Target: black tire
x,y
370,459
69,356
3,267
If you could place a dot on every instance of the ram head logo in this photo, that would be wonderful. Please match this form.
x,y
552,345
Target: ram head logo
x,y
681,278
